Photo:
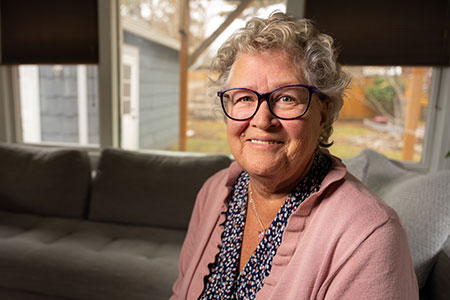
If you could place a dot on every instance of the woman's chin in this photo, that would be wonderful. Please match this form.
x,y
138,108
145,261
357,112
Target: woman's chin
x,y
264,169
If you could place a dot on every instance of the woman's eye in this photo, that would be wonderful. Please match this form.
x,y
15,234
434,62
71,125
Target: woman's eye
x,y
286,99
244,99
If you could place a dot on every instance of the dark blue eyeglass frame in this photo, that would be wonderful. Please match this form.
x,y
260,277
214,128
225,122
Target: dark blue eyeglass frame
x,y
266,97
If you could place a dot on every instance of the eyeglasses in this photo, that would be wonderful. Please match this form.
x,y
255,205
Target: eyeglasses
x,y
287,102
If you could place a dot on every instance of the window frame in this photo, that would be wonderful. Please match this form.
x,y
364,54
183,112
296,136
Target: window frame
x,y
437,136
108,86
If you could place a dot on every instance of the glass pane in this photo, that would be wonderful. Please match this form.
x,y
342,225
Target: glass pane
x,y
206,126
59,104
150,101
386,110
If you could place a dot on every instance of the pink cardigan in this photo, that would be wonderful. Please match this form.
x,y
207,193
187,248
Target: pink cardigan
x,y
343,242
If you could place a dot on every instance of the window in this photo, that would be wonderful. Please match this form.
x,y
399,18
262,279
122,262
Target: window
x,y
386,110
59,104
149,79
96,95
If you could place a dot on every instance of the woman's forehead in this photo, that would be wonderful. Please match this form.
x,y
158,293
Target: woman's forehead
x,y
269,69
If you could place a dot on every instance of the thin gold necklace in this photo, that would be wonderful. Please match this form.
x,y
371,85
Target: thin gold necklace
x,y
263,229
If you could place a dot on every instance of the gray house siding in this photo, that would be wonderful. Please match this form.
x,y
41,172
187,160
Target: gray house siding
x,y
58,92
158,93
59,104
92,103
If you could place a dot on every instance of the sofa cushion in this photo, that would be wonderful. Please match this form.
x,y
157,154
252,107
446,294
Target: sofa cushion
x,y
80,259
150,189
44,181
422,202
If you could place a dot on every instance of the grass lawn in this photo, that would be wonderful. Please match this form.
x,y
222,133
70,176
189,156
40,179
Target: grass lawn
x,y
208,136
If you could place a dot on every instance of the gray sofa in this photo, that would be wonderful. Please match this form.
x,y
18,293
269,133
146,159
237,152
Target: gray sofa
x,y
67,235
72,227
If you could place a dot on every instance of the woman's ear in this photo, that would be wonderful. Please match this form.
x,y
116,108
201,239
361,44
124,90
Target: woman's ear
x,y
325,107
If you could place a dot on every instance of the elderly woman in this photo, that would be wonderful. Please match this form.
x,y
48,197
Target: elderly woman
x,y
286,220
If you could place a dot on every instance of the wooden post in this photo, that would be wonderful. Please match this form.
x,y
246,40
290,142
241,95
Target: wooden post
x,y
109,73
183,72
414,93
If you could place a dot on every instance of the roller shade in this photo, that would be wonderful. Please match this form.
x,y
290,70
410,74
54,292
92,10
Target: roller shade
x,y
48,31
386,32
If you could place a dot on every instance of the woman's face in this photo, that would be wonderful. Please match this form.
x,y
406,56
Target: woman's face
x,y
266,146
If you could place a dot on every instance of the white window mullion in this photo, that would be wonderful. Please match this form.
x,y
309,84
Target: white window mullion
x,y
10,126
82,105
438,137
30,103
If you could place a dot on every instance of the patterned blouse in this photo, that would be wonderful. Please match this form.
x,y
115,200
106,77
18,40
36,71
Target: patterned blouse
x,y
224,280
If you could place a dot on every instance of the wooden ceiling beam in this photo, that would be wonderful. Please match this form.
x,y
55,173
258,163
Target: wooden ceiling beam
x,y
206,43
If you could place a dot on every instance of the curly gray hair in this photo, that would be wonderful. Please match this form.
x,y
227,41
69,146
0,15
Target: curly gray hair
x,y
312,52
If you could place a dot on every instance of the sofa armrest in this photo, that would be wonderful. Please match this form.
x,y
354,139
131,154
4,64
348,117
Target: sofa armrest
x,y
438,283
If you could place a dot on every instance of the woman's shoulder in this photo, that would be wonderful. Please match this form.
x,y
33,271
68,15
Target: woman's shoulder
x,y
348,192
349,203
224,178
356,209
356,197
349,216
216,188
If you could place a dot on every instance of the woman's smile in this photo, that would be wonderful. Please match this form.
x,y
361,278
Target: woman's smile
x,y
261,142
264,141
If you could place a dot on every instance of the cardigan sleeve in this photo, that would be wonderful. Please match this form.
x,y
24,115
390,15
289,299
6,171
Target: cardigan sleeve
x,y
380,268
206,212
189,243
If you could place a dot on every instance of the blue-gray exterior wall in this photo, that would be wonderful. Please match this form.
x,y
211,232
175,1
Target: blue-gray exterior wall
x,y
92,103
158,93
58,94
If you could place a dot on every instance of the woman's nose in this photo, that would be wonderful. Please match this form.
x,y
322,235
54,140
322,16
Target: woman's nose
x,y
263,118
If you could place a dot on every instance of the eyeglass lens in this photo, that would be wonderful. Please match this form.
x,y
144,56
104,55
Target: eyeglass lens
x,y
287,102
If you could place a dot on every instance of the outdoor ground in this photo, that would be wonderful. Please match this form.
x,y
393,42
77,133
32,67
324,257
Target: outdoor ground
x,y
350,138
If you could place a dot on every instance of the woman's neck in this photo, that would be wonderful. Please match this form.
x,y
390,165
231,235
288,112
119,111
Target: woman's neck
x,y
272,189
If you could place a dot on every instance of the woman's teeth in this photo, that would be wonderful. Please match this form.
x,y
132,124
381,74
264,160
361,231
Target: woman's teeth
x,y
264,142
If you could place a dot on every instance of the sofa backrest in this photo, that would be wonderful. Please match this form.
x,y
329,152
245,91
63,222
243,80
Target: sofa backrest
x,y
149,189
52,182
